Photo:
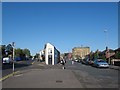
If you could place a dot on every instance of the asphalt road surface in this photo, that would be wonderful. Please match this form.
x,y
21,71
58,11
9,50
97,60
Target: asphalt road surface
x,y
77,75
19,65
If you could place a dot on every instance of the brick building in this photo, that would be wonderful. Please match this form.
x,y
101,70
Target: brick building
x,y
80,52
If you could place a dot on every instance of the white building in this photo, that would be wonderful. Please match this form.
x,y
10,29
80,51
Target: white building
x,y
52,55
41,54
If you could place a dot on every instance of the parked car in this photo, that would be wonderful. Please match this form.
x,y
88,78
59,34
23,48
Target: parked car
x,y
17,59
100,63
87,61
83,61
7,60
76,60
91,62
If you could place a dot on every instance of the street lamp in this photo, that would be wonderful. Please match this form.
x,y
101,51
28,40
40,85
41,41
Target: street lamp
x,y
106,32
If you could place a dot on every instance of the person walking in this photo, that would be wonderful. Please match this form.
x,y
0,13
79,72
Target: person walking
x,y
72,62
63,64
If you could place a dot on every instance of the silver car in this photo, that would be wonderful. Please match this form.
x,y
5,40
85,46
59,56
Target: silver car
x,y
101,63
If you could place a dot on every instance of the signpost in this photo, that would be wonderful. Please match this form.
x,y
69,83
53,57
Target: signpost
x,y
13,44
11,50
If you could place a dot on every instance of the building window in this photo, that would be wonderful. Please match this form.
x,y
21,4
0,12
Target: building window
x,y
50,51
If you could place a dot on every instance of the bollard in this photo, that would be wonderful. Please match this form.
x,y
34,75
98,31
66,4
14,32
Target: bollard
x,y
63,67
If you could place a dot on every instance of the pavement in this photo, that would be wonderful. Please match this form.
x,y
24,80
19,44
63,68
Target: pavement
x,y
114,67
54,77
51,78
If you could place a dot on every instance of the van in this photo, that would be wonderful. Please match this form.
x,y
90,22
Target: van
x,y
7,60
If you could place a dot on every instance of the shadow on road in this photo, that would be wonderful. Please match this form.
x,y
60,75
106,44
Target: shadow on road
x,y
17,65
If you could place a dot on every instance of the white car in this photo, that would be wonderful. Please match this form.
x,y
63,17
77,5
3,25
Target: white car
x,y
7,60
76,60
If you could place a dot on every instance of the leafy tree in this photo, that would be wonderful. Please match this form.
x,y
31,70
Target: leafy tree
x,y
26,52
37,55
2,51
96,54
18,52
91,55
102,56
117,55
22,53
31,56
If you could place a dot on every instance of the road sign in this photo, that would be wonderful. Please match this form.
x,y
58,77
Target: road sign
x,y
9,48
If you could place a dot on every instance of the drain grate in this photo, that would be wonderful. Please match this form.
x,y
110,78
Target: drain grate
x,y
59,81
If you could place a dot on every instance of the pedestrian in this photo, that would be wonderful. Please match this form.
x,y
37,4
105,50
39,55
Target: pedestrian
x,y
72,62
64,61
63,64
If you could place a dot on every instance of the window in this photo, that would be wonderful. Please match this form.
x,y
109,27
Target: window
x,y
49,51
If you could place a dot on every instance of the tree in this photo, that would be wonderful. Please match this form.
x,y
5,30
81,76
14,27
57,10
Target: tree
x,y
2,51
26,52
22,53
96,54
102,55
18,52
117,55
37,55
91,55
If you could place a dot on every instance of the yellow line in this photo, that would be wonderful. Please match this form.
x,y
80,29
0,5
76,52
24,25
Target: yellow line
x,y
33,62
7,76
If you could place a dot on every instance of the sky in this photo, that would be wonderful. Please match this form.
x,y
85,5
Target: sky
x,y
64,24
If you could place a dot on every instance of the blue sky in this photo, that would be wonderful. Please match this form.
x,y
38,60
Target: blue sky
x,y
65,25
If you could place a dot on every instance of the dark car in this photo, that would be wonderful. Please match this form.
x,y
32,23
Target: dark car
x,y
83,61
91,62
87,61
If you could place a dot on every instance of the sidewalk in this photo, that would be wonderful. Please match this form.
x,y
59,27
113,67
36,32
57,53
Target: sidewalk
x,y
44,78
114,67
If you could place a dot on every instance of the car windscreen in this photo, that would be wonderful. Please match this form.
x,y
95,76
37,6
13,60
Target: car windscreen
x,y
101,61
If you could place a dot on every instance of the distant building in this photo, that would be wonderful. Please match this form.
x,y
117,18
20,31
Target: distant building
x,y
61,56
109,53
52,55
68,56
42,54
80,52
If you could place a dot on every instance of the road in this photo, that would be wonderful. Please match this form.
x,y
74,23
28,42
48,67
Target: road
x,y
90,76
19,65
78,75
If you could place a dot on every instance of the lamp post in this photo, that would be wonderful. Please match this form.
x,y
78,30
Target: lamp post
x,y
13,44
106,32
